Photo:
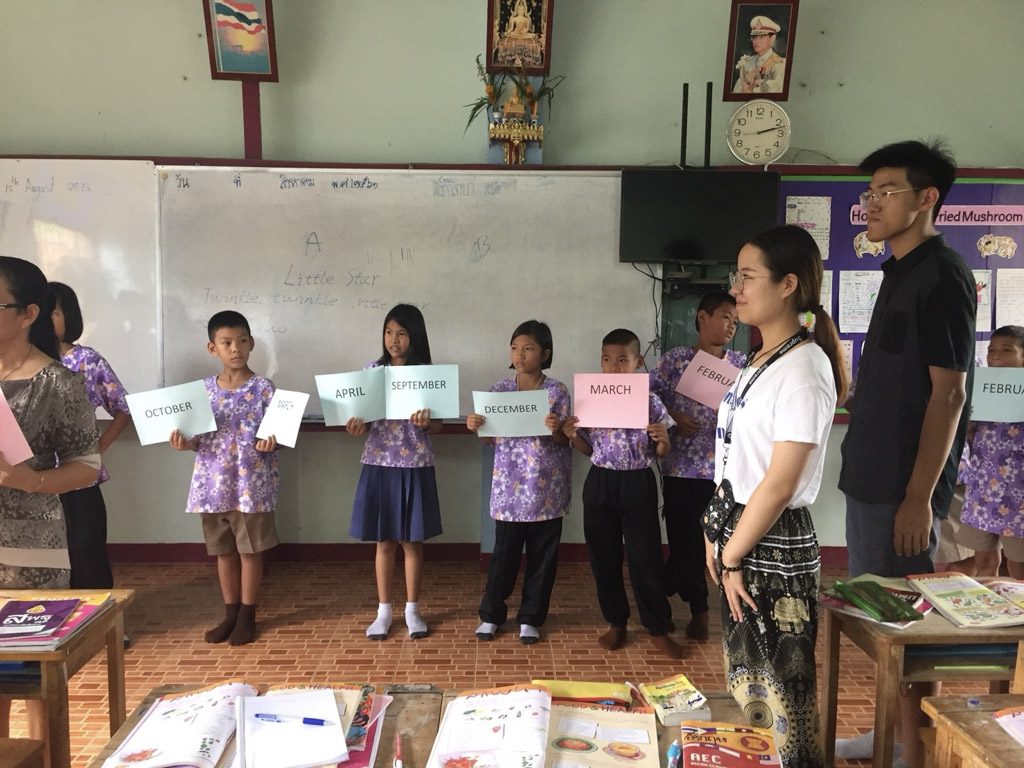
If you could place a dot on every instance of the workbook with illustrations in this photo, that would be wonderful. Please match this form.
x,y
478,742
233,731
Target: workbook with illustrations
x,y
725,745
966,602
519,725
34,618
674,699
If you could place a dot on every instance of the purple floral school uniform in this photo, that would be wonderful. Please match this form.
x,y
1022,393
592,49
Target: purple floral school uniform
x,y
994,501
621,448
532,477
229,472
692,456
101,385
397,442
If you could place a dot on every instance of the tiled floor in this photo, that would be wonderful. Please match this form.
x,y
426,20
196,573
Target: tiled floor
x,y
313,620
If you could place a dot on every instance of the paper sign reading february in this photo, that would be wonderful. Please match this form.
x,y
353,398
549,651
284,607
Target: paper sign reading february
x,y
283,417
358,394
13,445
998,395
611,400
410,388
707,379
512,414
159,412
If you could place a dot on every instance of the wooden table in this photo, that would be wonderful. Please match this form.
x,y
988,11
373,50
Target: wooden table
x,y
104,630
887,647
969,736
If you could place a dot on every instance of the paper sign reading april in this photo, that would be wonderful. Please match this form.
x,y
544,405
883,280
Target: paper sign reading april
x,y
611,400
410,388
159,412
13,445
707,379
283,417
512,414
358,394
998,395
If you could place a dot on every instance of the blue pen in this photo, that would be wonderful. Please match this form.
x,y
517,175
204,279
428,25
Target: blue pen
x,y
284,719
674,753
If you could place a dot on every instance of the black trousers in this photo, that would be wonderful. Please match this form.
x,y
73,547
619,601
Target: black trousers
x,y
685,500
622,506
85,517
541,539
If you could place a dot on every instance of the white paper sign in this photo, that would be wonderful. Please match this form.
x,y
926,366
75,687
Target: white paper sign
x,y
159,412
857,293
998,395
283,417
1009,297
512,414
983,289
358,394
813,214
411,388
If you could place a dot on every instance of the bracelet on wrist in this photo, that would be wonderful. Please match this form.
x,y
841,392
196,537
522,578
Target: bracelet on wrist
x,y
732,568
39,485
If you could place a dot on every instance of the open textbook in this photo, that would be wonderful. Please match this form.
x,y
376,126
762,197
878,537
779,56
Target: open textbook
x,y
520,726
968,603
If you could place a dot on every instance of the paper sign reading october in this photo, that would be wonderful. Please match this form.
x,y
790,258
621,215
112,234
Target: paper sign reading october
x,y
283,417
707,379
512,414
998,395
410,388
611,400
13,445
358,394
159,412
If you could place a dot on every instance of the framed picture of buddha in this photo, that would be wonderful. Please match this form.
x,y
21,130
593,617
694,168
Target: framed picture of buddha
x,y
519,35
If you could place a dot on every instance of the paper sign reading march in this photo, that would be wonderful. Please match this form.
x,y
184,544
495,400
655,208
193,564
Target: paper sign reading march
x,y
707,379
611,400
283,417
159,412
410,388
998,395
512,414
358,394
13,445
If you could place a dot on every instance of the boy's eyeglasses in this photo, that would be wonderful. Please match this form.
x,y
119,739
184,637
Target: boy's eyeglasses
x,y
12,306
736,279
881,198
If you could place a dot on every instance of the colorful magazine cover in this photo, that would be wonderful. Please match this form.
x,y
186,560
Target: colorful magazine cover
x,y
966,602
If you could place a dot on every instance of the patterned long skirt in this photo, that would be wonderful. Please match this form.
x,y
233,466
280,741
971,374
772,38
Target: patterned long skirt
x,y
770,653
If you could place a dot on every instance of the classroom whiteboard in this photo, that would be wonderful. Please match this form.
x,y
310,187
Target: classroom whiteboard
x,y
315,259
92,224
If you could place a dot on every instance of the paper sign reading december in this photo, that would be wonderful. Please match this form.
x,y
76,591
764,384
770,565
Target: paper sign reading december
x,y
410,388
707,379
358,394
512,414
998,395
611,400
13,445
283,417
159,412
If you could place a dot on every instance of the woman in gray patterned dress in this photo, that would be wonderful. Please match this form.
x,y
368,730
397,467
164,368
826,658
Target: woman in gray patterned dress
x,y
50,405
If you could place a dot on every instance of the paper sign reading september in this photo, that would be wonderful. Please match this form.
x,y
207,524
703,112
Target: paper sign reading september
x,y
512,414
998,395
611,400
159,412
411,388
283,417
707,379
13,445
358,394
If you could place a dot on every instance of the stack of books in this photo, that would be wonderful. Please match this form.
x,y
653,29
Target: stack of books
x,y
44,622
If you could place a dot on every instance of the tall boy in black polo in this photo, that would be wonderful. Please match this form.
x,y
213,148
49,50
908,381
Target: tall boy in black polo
x,y
908,421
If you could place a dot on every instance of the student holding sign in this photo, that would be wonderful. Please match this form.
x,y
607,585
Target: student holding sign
x,y
396,500
530,490
235,479
689,468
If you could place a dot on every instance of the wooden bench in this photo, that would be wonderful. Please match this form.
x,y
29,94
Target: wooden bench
x,y
21,753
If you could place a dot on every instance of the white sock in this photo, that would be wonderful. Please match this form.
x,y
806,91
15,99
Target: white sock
x,y
487,629
858,748
526,630
381,625
417,626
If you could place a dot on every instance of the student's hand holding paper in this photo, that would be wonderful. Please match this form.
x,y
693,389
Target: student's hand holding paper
x,y
180,443
355,426
421,418
266,446
474,421
552,422
569,427
658,432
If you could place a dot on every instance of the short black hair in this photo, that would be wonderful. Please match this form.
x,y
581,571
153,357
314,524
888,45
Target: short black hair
x,y
539,332
1014,332
65,298
711,302
227,319
623,337
927,165
409,317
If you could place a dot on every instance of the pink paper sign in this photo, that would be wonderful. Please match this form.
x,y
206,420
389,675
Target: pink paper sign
x,y
707,379
13,445
611,400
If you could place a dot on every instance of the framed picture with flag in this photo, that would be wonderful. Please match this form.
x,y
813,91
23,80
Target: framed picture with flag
x,y
240,36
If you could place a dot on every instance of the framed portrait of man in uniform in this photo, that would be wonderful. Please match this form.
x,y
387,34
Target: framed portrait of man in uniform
x,y
760,57
519,35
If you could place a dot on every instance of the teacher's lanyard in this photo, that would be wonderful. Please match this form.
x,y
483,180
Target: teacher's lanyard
x,y
788,344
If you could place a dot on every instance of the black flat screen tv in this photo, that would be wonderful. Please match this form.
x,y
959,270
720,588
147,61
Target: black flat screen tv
x,y
673,215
